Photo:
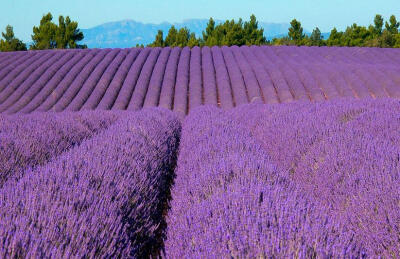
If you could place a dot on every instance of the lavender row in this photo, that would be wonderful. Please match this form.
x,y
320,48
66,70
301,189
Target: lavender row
x,y
156,81
33,140
225,97
167,91
105,198
182,79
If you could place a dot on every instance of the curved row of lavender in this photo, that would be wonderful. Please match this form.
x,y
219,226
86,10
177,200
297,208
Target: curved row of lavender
x,y
290,180
33,140
181,79
84,194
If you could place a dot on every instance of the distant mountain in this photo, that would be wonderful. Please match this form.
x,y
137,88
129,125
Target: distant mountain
x,y
128,33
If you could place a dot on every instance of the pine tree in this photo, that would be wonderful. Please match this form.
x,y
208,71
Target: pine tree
x,y
335,38
68,34
378,24
159,41
296,32
10,42
44,36
193,41
252,34
182,37
209,30
170,40
393,25
50,36
316,38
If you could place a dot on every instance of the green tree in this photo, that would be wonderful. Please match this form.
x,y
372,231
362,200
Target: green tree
x,y
193,41
316,38
10,42
396,40
44,35
179,38
232,33
159,41
386,40
296,32
356,35
208,33
48,35
335,38
182,37
171,36
68,34
378,24
393,25
252,34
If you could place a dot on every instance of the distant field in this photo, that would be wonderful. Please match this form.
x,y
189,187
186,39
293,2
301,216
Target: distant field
x,y
181,79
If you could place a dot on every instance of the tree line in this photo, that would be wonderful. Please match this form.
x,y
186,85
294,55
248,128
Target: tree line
x,y
47,35
66,34
384,34
228,33
379,34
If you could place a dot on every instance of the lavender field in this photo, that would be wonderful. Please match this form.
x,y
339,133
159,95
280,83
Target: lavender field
x,y
232,152
182,79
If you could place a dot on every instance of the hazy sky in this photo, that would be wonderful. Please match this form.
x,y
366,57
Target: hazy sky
x,y
24,14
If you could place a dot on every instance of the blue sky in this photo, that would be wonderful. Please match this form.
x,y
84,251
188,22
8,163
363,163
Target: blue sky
x,y
24,14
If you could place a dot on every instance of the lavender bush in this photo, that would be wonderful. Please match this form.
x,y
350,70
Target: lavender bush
x,y
195,82
225,95
168,86
182,82
210,91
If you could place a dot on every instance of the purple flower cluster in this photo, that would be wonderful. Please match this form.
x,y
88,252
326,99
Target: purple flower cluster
x,y
248,185
103,198
181,79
